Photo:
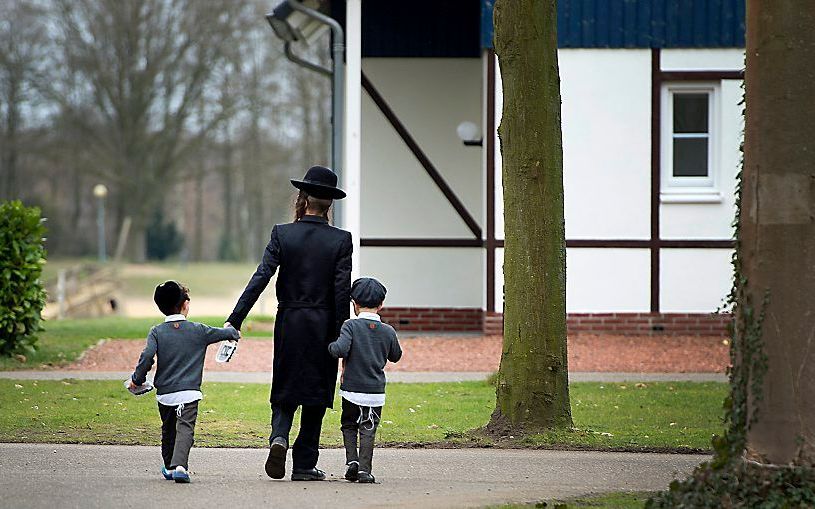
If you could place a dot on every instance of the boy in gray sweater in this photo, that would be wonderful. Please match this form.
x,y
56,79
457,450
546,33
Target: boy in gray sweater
x,y
366,345
181,346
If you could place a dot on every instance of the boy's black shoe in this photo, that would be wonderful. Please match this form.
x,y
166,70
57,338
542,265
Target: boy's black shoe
x,y
352,472
366,478
310,474
276,462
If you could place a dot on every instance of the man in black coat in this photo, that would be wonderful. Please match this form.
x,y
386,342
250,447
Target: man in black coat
x,y
313,293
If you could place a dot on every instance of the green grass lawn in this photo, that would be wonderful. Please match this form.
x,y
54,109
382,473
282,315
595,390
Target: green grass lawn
x,y
63,341
237,415
620,500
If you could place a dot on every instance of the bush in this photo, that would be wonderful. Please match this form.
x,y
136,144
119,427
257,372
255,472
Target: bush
x,y
163,238
22,296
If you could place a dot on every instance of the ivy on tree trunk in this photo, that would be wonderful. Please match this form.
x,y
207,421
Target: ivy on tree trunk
x,y
532,384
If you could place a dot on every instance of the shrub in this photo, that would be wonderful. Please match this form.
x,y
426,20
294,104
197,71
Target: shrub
x,y
22,295
163,238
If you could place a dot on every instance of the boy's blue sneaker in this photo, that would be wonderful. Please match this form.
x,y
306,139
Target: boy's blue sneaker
x,y
168,474
180,475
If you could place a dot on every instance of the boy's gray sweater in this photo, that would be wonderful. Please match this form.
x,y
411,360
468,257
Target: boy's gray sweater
x,y
366,345
181,347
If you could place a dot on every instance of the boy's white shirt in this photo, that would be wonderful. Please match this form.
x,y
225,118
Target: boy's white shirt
x,y
178,397
365,398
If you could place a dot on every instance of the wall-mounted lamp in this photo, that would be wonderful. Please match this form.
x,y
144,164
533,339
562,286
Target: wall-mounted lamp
x,y
469,133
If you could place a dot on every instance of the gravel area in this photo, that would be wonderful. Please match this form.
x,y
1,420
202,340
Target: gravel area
x,y
587,352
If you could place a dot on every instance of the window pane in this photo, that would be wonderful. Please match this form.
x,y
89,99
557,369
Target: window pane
x,y
690,113
690,157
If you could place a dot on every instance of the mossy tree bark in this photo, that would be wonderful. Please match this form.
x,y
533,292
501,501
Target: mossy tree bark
x,y
777,224
533,386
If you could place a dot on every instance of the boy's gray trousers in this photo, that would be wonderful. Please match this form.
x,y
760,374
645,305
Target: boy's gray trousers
x,y
177,433
359,421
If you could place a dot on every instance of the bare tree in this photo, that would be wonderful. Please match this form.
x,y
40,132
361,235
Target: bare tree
x,y
22,46
144,65
156,98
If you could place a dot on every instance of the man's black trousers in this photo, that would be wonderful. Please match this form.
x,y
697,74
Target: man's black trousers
x,y
306,447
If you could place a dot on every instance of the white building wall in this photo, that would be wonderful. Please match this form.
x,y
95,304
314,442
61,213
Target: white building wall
x,y
606,120
607,280
399,200
431,97
606,115
694,280
427,277
712,59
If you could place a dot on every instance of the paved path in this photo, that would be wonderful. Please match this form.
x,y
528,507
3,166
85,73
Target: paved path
x,y
88,476
393,376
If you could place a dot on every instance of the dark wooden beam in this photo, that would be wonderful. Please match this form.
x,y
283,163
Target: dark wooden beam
x,y
570,243
490,140
421,243
697,244
656,91
421,157
609,243
700,75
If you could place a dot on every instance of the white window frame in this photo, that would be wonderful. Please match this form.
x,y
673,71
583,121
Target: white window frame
x,y
690,189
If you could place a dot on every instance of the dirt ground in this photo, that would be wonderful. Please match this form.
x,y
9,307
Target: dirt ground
x,y
587,352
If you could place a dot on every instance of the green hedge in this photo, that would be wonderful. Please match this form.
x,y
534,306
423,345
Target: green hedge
x,y
22,296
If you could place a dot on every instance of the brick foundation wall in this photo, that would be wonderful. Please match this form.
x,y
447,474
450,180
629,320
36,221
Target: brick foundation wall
x,y
477,320
434,319
671,324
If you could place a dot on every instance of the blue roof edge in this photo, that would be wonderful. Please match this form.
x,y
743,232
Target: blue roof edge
x,y
641,23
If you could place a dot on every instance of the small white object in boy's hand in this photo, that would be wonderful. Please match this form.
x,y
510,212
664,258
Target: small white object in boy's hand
x,y
138,390
226,351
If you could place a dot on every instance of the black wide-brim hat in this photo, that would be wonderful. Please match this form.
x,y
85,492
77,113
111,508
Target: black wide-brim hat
x,y
320,182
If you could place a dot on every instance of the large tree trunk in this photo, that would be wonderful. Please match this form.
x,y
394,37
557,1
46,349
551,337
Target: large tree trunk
x,y
533,381
777,223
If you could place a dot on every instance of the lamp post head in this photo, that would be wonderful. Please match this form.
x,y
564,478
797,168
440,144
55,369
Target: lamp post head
x,y
292,25
100,191
277,20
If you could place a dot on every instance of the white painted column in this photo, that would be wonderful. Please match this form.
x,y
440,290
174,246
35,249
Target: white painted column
x,y
353,116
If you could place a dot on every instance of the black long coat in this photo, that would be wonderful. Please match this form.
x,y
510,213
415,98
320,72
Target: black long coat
x,y
313,293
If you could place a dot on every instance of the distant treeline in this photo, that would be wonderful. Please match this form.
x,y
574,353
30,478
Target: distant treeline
x,y
186,110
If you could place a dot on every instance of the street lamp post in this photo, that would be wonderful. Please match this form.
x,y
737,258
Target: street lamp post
x,y
301,20
100,191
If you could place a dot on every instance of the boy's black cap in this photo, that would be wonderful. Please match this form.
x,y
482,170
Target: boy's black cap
x,y
368,292
169,296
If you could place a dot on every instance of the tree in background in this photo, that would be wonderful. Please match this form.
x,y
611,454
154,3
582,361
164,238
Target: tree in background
x,y
532,384
132,94
22,51
22,296
143,66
